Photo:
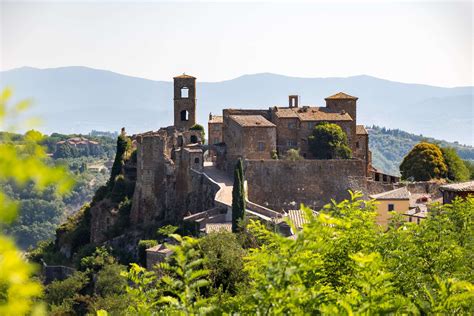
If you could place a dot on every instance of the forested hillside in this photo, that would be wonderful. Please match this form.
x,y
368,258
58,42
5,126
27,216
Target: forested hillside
x,y
389,146
41,212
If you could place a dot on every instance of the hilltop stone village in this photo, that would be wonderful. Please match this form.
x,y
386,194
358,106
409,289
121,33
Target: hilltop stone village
x,y
173,176
179,178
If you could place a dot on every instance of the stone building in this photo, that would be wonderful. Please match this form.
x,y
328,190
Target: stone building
x,y
288,128
214,129
457,190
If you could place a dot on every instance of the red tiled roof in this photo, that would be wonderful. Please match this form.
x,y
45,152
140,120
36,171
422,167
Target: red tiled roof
x,y
397,194
312,113
360,130
184,76
459,187
341,96
251,121
216,119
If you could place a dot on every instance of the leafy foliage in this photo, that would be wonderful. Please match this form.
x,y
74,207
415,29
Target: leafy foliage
x,y
389,146
293,155
424,162
123,145
199,127
328,141
238,196
457,170
21,165
225,263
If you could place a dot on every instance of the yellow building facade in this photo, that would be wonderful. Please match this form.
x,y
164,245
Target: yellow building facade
x,y
397,200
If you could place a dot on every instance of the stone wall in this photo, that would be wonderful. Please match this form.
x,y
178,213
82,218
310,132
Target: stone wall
x,y
283,185
169,185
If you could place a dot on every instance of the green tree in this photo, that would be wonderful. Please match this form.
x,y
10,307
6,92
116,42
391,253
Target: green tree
x,y
123,145
457,170
424,162
224,256
470,166
238,196
199,127
21,164
328,141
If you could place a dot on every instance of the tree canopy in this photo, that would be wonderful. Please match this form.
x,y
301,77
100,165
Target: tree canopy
x,y
457,169
424,162
328,141
238,196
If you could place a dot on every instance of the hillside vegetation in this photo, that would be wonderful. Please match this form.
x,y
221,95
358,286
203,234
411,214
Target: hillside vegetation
x,y
40,212
389,146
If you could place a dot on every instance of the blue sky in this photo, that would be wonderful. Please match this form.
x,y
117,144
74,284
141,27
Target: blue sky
x,y
421,42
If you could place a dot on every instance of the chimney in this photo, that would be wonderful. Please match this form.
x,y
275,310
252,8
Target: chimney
x,y
293,100
210,116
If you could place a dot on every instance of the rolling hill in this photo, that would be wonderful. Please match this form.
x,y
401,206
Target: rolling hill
x,y
79,99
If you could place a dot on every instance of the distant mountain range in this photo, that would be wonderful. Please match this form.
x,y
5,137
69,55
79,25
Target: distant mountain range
x,y
79,99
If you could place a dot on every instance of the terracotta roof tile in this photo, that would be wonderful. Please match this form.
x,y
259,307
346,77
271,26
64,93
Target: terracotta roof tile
x,y
360,130
459,187
312,113
397,194
251,121
341,96
216,119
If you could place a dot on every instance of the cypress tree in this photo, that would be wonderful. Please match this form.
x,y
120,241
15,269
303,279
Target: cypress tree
x,y
238,196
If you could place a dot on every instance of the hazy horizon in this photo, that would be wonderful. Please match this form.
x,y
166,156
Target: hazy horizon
x,y
415,42
170,79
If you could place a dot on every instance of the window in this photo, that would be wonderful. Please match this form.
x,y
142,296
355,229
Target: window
x,y
194,139
261,146
391,207
357,145
184,115
291,125
196,160
216,141
311,125
184,92
216,128
291,143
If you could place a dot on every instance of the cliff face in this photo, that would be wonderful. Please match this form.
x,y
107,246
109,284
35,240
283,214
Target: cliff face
x,y
160,181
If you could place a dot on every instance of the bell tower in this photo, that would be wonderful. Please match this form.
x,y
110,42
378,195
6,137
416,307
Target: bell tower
x,y
184,101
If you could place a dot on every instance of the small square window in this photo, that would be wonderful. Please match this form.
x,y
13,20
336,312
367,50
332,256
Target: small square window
x,y
185,92
291,125
291,143
391,207
261,146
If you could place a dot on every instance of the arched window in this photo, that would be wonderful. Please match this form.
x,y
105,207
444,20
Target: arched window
x,y
184,115
184,92
194,139
196,160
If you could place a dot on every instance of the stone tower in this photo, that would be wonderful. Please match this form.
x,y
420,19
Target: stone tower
x,y
343,102
184,101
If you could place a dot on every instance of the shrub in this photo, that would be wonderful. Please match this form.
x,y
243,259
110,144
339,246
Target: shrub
x,y
328,141
293,155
